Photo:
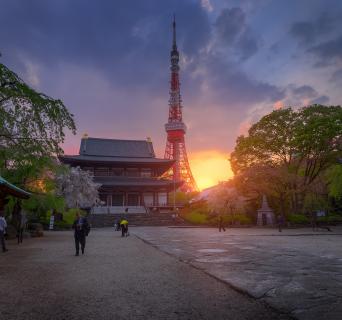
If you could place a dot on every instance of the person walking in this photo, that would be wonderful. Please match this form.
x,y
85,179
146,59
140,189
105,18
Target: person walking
x,y
124,227
81,230
280,220
3,226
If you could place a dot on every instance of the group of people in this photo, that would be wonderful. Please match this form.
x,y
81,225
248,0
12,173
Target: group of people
x,y
81,229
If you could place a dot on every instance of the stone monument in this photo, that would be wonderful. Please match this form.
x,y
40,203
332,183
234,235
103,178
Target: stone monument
x,y
265,214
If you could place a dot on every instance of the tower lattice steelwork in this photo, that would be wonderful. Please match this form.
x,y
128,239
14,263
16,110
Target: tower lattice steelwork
x,y
176,128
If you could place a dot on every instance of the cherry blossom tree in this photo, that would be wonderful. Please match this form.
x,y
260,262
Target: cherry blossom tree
x,y
77,187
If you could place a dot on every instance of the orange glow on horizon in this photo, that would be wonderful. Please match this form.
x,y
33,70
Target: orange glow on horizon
x,y
210,167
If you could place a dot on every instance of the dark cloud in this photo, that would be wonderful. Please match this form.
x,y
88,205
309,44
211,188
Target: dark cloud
x,y
123,39
308,32
247,45
304,95
234,33
109,62
230,24
337,76
320,100
234,88
274,48
304,92
328,52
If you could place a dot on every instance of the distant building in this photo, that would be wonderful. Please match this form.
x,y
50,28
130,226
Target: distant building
x,y
127,170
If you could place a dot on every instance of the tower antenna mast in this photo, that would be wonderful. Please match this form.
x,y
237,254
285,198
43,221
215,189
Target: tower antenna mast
x,y
175,127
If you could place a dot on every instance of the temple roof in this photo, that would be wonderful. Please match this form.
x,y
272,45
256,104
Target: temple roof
x,y
74,159
116,148
11,189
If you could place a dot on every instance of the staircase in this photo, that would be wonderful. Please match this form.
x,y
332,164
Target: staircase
x,y
135,219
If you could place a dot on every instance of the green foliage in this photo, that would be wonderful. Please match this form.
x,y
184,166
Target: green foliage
x,y
334,218
286,152
62,225
334,178
182,197
314,202
241,219
39,206
32,128
196,217
202,216
70,215
298,219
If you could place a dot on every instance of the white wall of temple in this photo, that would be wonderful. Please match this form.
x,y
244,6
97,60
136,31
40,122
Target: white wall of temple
x,y
148,199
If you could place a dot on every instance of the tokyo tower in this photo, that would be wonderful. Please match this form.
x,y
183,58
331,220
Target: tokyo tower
x,y
176,128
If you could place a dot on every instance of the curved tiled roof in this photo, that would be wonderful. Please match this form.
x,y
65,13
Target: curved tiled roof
x,y
116,148
11,189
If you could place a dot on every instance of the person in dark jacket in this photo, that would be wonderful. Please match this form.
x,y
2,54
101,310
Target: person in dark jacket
x,y
81,229
281,222
221,223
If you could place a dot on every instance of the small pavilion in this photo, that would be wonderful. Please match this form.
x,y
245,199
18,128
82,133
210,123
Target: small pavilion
x,y
9,189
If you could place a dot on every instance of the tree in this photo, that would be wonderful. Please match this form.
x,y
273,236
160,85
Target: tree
x,y
225,198
301,144
77,187
32,127
43,196
334,179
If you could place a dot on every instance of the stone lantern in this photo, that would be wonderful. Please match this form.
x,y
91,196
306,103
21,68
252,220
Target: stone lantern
x,y
265,214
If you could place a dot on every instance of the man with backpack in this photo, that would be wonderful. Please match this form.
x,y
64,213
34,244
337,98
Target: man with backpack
x,y
81,230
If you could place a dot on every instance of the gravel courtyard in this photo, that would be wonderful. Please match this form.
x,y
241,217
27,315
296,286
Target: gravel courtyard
x,y
117,278
297,271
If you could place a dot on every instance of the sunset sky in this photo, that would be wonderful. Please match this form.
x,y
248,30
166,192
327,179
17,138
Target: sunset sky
x,y
109,62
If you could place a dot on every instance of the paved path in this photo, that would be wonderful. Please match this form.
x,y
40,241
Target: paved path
x,y
297,271
117,278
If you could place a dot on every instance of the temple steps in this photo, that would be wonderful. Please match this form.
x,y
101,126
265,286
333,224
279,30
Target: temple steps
x,y
151,219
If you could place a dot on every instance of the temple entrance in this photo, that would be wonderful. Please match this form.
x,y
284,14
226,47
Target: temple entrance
x,y
118,199
133,199
264,219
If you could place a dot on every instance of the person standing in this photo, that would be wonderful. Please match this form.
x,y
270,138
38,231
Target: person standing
x,y
3,226
81,230
21,226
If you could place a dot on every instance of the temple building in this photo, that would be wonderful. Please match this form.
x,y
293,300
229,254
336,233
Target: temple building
x,y
128,171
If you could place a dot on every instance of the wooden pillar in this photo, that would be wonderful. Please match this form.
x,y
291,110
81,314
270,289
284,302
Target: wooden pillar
x,y
141,200
125,199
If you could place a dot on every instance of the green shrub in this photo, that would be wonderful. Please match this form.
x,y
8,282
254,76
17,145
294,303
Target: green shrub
x,y
70,215
298,219
331,218
62,225
242,219
334,218
195,217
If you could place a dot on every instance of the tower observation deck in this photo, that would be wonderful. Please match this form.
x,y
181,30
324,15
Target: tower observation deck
x,y
176,128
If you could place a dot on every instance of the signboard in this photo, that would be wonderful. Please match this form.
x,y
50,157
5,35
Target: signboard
x,y
52,221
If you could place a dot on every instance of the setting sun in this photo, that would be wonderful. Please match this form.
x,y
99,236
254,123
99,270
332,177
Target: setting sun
x,y
209,167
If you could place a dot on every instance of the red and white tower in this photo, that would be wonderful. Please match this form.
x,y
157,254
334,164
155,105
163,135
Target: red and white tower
x,y
176,128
